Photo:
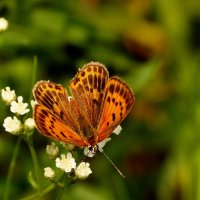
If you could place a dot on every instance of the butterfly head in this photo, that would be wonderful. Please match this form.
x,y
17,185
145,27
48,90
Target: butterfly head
x,y
93,149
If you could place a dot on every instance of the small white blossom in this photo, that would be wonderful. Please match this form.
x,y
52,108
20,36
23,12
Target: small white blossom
x,y
68,147
3,24
12,125
8,95
69,98
19,107
89,153
83,170
52,150
66,163
29,124
118,130
103,143
49,172
33,103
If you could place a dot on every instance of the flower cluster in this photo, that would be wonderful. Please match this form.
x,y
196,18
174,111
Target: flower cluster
x,y
13,124
67,164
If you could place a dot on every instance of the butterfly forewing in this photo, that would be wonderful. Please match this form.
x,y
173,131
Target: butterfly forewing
x,y
88,89
54,97
117,104
61,119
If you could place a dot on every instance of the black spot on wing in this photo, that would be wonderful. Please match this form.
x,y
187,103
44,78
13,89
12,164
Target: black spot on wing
x,y
89,69
90,79
113,117
62,134
82,73
111,88
113,100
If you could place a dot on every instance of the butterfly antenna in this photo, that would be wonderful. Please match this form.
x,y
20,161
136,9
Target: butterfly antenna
x,y
121,174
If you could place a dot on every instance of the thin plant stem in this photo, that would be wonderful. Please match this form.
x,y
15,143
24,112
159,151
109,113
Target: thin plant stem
x,y
50,188
62,189
35,163
11,169
42,193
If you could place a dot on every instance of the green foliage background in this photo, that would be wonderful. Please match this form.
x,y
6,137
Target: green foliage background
x,y
152,45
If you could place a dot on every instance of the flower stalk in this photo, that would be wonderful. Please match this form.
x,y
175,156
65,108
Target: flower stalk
x,y
11,169
29,141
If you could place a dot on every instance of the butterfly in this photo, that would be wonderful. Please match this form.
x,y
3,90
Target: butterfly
x,y
97,106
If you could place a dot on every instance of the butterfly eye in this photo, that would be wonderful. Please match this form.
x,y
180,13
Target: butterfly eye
x,y
93,149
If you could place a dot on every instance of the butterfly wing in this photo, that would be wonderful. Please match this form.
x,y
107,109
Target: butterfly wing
x,y
54,115
117,104
51,126
88,89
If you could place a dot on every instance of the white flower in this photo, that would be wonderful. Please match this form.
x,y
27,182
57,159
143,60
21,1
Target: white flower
x,y
33,103
87,152
52,150
100,145
83,170
66,163
12,125
68,147
103,143
3,24
118,130
49,172
19,107
29,124
69,98
7,95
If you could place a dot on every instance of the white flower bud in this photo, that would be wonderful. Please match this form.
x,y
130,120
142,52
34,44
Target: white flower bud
x,y
8,95
13,126
49,172
52,150
29,124
118,130
19,107
66,163
83,170
3,24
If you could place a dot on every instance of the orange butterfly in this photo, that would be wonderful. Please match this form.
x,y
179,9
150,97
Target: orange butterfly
x,y
97,106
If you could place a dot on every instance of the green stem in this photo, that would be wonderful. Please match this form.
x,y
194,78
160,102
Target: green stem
x,y
35,163
62,189
42,193
49,189
11,169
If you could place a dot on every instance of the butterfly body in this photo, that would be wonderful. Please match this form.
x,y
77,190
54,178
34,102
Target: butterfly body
x,y
97,106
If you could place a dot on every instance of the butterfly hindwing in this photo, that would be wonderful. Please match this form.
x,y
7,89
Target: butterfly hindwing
x,y
51,126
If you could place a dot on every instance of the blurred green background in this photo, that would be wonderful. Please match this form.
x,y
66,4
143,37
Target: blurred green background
x,y
152,45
